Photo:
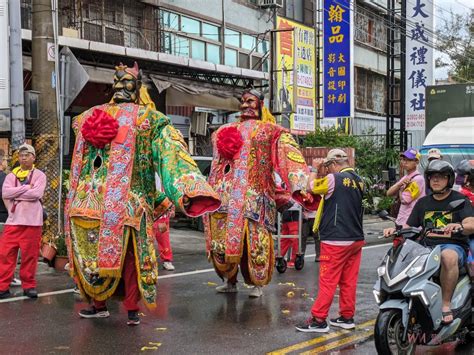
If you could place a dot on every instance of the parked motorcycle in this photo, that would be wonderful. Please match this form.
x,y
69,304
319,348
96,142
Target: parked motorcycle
x,y
408,293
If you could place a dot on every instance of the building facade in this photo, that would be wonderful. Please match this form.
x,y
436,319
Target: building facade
x,y
198,55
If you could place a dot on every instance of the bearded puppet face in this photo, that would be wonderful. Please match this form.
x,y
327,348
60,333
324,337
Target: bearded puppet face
x,y
250,107
127,82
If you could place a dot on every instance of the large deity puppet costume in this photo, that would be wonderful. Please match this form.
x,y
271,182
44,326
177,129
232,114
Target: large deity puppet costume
x,y
247,154
112,201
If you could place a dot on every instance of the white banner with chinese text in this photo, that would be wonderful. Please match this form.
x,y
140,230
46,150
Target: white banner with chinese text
x,y
419,61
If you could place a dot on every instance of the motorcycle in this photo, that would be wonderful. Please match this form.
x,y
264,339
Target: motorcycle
x,y
408,293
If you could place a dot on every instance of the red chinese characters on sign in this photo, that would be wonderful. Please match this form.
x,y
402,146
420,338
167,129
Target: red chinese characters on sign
x,y
286,39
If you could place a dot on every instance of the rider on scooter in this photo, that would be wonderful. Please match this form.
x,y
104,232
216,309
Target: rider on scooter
x,y
433,210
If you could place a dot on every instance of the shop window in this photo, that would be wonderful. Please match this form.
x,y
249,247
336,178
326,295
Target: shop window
x,y
198,50
263,46
256,63
232,38
294,10
114,36
173,44
169,20
190,26
210,32
213,53
244,60
248,42
93,32
231,57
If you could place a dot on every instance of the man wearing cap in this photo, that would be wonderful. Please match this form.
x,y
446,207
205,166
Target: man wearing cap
x,y
434,154
22,192
342,238
410,187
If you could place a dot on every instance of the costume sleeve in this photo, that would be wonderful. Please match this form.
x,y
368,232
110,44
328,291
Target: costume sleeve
x,y
179,173
10,191
291,166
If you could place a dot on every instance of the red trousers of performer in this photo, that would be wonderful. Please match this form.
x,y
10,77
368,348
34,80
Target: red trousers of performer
x,y
130,283
339,265
163,240
28,240
289,228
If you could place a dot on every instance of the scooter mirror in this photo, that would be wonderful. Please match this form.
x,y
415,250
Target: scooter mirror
x,y
456,205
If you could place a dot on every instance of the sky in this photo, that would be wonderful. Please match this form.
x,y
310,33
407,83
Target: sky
x,y
441,7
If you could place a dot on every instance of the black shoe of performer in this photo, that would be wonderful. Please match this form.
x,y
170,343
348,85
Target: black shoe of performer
x,y
94,312
31,293
133,318
5,294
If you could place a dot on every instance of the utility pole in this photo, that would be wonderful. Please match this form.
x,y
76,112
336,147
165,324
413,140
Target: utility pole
x,y
46,133
16,77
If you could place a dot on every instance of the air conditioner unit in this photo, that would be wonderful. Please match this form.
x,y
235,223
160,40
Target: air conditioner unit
x,y
270,4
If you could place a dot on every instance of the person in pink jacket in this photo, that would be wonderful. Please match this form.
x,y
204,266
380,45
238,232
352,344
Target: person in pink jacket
x,y
411,187
22,192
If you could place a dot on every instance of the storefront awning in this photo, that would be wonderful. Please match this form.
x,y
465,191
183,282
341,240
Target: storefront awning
x,y
185,93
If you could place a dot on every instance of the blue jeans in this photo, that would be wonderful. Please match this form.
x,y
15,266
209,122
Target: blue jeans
x,y
471,247
458,249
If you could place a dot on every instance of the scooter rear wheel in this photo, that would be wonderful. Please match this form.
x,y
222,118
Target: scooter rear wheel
x,y
388,334
281,265
299,261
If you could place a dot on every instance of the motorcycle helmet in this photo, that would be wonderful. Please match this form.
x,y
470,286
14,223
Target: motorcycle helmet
x,y
440,167
464,168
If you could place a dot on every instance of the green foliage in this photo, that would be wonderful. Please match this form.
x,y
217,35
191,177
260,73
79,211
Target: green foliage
x,y
455,38
385,203
371,156
60,244
66,180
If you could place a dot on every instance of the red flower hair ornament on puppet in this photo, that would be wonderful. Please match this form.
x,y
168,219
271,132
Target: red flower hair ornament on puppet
x,y
229,142
99,129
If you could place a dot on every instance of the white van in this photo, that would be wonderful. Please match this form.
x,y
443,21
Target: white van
x,y
453,137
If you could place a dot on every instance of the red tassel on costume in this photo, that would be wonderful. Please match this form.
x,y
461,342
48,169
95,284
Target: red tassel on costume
x,y
99,129
229,142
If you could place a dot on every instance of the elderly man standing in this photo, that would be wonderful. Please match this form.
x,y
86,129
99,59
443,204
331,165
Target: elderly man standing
x,y
410,187
22,192
342,238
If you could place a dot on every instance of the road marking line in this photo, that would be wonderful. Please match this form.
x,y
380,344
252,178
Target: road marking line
x,y
203,271
338,343
319,339
169,276
45,294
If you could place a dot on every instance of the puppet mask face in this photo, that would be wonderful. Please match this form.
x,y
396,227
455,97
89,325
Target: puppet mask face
x,y
126,84
250,107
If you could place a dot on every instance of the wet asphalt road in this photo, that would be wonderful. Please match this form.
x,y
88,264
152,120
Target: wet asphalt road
x,y
190,317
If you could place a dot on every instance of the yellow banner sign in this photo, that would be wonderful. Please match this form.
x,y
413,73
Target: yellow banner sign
x,y
296,75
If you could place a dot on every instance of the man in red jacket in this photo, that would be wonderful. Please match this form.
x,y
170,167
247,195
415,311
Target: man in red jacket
x,y
22,192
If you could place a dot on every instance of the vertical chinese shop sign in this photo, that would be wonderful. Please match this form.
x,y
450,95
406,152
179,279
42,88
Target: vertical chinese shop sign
x,y
337,68
419,61
296,75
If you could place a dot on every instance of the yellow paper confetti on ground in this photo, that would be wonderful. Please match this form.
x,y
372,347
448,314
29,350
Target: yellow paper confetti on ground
x,y
142,314
155,344
161,329
292,284
145,348
211,284
285,311
290,294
